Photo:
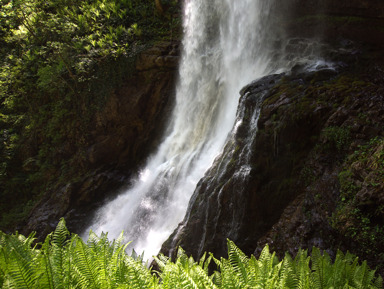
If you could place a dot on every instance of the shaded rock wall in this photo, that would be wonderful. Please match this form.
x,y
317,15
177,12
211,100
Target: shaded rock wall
x,y
224,206
363,8
309,123
334,20
124,133
339,202
131,122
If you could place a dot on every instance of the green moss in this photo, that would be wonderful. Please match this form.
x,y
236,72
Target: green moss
x,y
307,175
362,219
336,138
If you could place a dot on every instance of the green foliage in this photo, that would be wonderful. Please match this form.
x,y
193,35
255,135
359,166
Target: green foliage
x,y
337,138
359,213
67,262
63,262
59,62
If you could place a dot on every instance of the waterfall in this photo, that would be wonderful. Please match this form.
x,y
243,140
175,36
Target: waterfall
x,y
225,46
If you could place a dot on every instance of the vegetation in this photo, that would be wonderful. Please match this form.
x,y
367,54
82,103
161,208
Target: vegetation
x,y
59,62
63,262
360,210
337,138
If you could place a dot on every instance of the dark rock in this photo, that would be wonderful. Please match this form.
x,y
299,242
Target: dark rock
x,y
241,198
124,133
131,123
261,84
333,20
288,189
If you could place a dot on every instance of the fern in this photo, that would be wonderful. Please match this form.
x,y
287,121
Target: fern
x,y
101,248
204,278
287,278
170,276
239,262
55,255
85,264
362,276
71,263
266,263
19,261
321,266
46,279
378,282
254,271
302,270
339,273
185,272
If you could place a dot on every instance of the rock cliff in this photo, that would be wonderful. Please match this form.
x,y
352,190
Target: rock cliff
x,y
124,132
334,20
315,168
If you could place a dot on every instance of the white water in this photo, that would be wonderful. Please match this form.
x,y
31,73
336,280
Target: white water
x,y
224,49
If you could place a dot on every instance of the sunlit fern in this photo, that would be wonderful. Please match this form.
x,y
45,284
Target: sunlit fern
x,y
64,261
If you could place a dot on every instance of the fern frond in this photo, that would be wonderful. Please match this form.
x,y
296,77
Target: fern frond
x,y
186,281
138,275
85,265
19,260
302,270
117,266
216,276
59,254
216,279
45,270
161,261
195,275
361,276
170,276
253,271
266,264
60,234
321,265
239,262
202,260
287,277
378,282
338,275
229,278
205,281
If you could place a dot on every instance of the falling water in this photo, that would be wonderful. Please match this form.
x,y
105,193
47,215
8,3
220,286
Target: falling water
x,y
225,47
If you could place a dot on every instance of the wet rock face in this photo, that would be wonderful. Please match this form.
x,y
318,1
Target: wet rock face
x,y
216,209
124,133
250,184
289,188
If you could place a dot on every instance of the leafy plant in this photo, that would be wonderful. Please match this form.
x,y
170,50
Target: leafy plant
x,y
68,262
359,214
60,60
337,138
63,262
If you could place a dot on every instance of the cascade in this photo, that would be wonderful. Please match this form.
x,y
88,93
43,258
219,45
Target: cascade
x,y
226,45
